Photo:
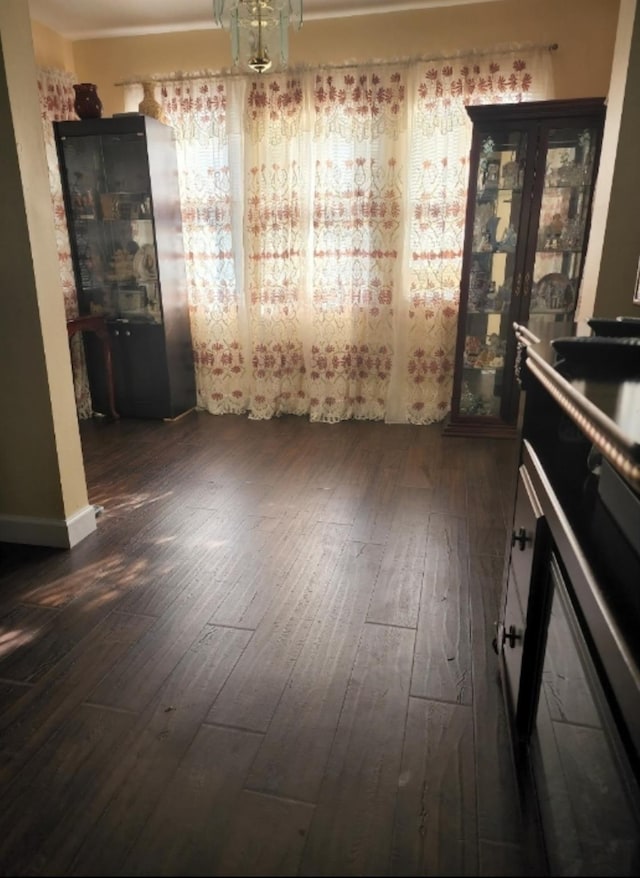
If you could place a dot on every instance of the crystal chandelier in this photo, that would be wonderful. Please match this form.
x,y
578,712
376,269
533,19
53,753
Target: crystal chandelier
x,y
259,30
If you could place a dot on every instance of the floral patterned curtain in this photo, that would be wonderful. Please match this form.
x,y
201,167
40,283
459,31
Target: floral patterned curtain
x,y
57,96
360,138
323,220
211,210
437,191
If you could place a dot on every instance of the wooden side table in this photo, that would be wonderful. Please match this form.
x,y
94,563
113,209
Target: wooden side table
x,y
97,324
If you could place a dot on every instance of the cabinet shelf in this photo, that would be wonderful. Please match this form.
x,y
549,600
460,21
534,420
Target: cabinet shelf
x,y
488,370
497,252
540,145
493,193
559,250
574,187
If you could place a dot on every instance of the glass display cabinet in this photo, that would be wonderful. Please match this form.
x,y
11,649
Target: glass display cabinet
x,y
120,188
532,173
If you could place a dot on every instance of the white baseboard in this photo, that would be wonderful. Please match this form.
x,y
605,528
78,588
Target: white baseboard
x,y
59,533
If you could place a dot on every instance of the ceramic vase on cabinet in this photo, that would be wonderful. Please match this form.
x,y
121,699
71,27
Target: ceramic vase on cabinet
x,y
87,104
149,106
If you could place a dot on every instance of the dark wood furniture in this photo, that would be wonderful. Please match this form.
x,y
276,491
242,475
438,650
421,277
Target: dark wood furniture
x,y
98,325
120,187
531,178
568,632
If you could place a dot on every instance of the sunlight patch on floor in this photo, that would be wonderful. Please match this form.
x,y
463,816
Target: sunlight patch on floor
x,y
12,639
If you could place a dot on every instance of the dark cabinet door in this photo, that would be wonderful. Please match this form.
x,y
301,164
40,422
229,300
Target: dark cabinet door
x,y
528,566
588,798
140,371
532,173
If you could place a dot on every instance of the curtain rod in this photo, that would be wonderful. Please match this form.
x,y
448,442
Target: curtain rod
x,y
180,76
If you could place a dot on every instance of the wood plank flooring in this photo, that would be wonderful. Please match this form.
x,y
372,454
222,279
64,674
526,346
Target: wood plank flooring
x,y
273,657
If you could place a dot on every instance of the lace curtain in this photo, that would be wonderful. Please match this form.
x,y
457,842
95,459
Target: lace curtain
x,y
55,89
323,216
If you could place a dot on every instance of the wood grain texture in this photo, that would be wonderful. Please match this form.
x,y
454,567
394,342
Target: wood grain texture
x,y
260,572
43,813
503,861
398,588
450,495
266,836
147,760
293,758
10,693
138,675
189,826
49,703
256,684
376,509
499,815
22,625
435,828
442,662
282,741
351,830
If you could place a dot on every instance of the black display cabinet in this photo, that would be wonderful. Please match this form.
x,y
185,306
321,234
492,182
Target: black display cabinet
x,y
121,195
533,168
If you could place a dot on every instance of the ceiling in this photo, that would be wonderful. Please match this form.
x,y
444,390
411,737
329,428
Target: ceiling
x,y
79,19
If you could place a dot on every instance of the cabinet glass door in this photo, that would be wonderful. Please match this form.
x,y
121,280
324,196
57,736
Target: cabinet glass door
x,y
562,230
112,226
493,282
588,799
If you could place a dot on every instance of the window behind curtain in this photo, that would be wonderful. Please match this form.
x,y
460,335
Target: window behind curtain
x,y
323,217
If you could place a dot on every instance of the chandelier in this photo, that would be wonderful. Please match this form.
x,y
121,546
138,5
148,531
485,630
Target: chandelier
x,y
259,30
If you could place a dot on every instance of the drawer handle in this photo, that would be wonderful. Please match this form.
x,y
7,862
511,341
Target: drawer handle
x,y
511,637
521,538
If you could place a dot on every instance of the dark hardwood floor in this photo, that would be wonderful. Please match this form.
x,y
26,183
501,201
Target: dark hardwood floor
x,y
272,658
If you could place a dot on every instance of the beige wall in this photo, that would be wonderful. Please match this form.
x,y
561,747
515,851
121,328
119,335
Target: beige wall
x,y
42,480
618,264
50,49
583,29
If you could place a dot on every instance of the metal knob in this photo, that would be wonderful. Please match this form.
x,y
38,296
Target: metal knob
x,y
511,636
521,538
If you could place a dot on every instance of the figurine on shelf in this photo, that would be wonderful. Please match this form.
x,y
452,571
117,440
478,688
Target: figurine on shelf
x,y
508,241
490,241
503,299
553,232
488,178
122,262
512,175
472,348
491,175
492,297
477,287
495,350
471,403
